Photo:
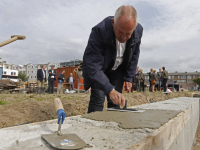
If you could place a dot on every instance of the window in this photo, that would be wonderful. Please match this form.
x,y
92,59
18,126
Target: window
x,y
28,71
190,81
183,81
35,77
189,77
12,73
178,81
172,77
32,66
35,66
4,72
194,77
179,77
183,77
32,71
15,73
28,66
169,77
7,67
31,77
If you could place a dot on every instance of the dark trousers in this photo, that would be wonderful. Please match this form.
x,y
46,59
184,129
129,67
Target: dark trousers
x,y
142,86
164,84
97,96
159,84
137,82
51,84
150,90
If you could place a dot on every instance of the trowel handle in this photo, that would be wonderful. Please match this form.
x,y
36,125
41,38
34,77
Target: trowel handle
x,y
59,110
58,104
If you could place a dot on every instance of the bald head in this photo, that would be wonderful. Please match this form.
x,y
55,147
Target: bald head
x,y
124,22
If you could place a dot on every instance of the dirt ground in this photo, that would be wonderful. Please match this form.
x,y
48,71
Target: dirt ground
x,y
16,109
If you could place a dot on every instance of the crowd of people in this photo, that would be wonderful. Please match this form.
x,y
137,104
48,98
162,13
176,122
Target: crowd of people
x,y
41,78
155,78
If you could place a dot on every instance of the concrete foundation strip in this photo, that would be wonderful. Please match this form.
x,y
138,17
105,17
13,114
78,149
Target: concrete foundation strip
x,y
157,140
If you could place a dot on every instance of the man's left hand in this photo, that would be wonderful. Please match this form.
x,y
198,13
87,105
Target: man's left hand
x,y
128,85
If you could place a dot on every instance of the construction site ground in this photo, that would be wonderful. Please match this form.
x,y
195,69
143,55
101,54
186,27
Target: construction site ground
x,y
17,109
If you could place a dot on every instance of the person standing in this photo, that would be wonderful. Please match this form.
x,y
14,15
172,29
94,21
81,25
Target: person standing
x,y
51,79
164,78
149,73
153,80
71,80
61,79
141,79
136,79
41,78
159,79
111,58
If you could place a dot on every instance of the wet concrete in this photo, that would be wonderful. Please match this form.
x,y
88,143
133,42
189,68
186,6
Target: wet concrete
x,y
152,119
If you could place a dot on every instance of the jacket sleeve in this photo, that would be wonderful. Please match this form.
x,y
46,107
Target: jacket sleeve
x,y
50,73
134,61
59,76
94,60
38,74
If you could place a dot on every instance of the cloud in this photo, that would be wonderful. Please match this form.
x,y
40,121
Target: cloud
x,y
57,31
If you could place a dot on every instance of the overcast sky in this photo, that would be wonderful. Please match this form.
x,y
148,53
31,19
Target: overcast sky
x,y
58,30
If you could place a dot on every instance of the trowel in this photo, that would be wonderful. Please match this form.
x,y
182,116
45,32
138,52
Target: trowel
x,y
125,109
59,140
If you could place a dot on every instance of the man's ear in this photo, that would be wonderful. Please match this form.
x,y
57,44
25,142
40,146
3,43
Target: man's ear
x,y
112,20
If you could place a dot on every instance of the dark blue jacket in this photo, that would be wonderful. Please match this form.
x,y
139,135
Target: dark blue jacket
x,y
61,76
40,75
100,55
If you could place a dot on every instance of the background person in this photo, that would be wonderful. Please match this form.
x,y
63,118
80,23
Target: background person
x,y
153,80
51,79
41,78
164,78
136,79
141,79
71,80
61,79
159,79
149,73
111,57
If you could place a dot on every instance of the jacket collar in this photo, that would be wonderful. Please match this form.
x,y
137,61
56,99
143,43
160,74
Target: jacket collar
x,y
110,36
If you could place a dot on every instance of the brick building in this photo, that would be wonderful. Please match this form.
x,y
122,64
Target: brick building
x,y
184,79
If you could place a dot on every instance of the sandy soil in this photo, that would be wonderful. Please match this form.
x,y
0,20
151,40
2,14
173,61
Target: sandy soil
x,y
18,109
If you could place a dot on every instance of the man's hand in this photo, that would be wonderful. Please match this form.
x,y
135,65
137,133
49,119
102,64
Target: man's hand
x,y
117,98
128,85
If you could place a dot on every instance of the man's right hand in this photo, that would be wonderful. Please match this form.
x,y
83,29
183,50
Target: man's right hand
x,y
117,98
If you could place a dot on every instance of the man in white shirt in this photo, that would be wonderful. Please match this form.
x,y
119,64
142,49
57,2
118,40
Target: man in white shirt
x,y
41,78
111,57
51,79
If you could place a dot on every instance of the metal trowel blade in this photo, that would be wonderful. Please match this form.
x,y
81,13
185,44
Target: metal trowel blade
x,y
65,141
129,110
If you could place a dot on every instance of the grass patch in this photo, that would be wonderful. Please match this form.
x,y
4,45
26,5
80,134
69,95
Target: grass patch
x,y
3,102
18,100
40,99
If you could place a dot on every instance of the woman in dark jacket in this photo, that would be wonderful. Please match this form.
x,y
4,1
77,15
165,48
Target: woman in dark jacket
x,y
153,80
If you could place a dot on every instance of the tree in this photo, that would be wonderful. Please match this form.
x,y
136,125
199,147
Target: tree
x,y
197,81
22,76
